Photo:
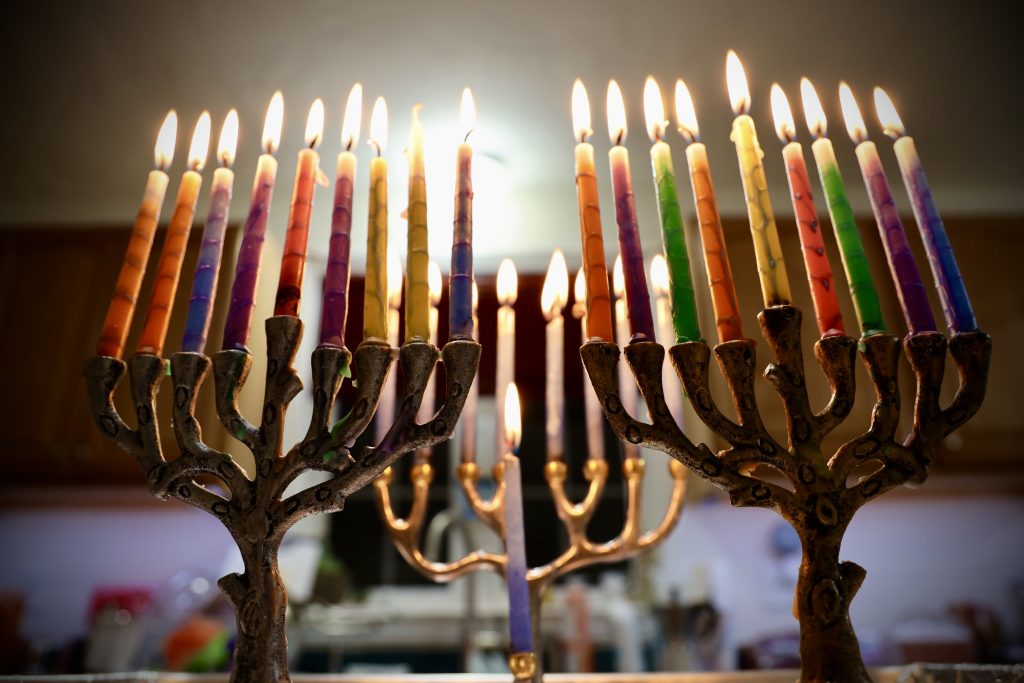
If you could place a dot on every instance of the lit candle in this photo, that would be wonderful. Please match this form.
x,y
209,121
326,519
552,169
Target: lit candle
x,y
683,300
520,630
467,446
417,257
553,298
460,279
909,286
956,306
716,256
238,323
133,268
628,391
386,407
204,282
154,331
429,403
375,294
335,307
591,405
296,238
638,300
505,347
599,314
812,244
771,267
851,249
660,283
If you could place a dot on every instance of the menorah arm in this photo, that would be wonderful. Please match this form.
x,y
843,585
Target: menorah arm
x,y
576,516
230,370
837,356
102,375
490,511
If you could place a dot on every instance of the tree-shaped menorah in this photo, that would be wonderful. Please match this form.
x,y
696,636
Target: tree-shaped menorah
x,y
255,511
580,551
820,504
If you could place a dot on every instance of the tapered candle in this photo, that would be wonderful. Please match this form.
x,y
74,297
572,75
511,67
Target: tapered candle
x,y
910,291
771,267
812,243
386,411
428,405
716,256
204,282
467,420
851,249
417,258
683,299
460,279
375,294
628,391
238,323
296,238
638,299
599,312
520,629
158,316
593,416
956,306
339,268
660,285
133,268
553,297
505,347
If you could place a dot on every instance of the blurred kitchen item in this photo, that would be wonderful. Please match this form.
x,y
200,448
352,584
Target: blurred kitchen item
x,y
118,627
579,645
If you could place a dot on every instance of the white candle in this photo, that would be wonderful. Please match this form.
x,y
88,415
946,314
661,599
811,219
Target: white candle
x,y
628,392
553,297
591,404
429,403
386,408
467,447
666,335
505,351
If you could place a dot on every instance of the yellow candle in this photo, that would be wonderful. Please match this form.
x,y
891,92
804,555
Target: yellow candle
x,y
505,349
375,305
771,268
417,287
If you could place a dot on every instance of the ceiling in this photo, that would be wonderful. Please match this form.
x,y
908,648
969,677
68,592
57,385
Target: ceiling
x,y
87,85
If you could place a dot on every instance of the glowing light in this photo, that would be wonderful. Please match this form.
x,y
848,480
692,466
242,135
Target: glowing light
x,y
508,283
555,293
659,275
434,282
513,418
785,127
579,287
580,112
618,278
163,152
200,143
353,117
379,125
315,124
813,111
616,114
851,114
736,78
228,142
467,112
272,124
890,119
394,279
686,114
654,110
476,297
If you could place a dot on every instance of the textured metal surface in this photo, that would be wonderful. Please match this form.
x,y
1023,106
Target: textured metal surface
x,y
253,510
817,501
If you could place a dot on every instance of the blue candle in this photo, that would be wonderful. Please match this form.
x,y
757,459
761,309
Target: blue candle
x,y
460,280
520,628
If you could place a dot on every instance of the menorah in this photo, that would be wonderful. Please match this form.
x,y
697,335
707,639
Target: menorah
x,y
580,551
255,511
820,505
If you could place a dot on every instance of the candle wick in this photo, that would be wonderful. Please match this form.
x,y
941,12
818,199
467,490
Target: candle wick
x,y
312,143
618,138
376,146
468,133
225,160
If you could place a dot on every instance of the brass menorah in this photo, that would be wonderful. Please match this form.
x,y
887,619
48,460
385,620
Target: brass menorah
x,y
254,511
820,505
580,551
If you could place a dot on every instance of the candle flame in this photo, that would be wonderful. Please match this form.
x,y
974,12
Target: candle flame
x,y
379,125
654,110
272,124
163,152
579,287
513,418
891,122
618,278
508,283
851,114
555,293
353,117
434,283
686,114
580,112
814,114
200,143
228,142
659,275
315,124
616,114
394,275
467,112
476,297
785,128
736,78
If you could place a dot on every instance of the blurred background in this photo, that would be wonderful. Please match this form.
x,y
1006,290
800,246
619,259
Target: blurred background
x,y
99,576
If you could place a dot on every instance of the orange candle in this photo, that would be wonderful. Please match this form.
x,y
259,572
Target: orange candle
x,y
154,332
296,239
129,280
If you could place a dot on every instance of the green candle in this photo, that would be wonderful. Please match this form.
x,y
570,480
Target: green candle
x,y
851,249
684,305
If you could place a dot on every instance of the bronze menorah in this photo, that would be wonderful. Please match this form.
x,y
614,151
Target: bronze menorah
x,y
254,510
819,506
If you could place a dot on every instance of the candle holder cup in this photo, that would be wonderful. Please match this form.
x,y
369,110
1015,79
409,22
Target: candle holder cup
x,y
819,503
254,511
580,551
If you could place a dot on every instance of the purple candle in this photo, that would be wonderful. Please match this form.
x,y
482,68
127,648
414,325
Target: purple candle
x,y
204,283
520,626
247,270
910,288
638,300
335,307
